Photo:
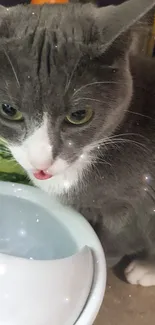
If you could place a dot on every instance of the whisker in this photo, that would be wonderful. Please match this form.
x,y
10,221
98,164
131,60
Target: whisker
x,y
125,141
126,134
139,114
13,99
92,99
72,74
104,161
13,69
118,140
94,83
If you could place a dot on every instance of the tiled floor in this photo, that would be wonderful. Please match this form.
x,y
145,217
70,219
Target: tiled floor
x,y
125,304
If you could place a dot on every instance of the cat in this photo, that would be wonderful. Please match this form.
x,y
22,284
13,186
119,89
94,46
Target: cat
x,y
77,110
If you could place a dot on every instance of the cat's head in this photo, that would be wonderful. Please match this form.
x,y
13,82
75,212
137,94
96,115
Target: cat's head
x,y
65,82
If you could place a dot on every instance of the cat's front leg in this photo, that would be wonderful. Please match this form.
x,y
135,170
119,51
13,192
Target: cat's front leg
x,y
141,273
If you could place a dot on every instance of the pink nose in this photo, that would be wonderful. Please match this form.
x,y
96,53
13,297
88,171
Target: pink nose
x,y
41,175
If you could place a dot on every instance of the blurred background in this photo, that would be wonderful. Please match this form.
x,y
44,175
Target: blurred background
x,y
15,2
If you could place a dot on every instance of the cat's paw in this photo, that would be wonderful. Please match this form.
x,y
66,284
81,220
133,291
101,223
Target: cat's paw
x,y
141,273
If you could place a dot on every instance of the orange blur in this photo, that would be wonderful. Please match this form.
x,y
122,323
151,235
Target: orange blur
x,y
38,2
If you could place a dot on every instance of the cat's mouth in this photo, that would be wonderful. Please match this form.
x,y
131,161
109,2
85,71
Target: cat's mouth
x,y
42,175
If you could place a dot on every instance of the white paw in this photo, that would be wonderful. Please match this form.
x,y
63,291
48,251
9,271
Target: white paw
x,y
142,273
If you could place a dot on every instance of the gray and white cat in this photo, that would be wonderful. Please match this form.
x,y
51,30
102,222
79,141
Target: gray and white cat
x,y
78,113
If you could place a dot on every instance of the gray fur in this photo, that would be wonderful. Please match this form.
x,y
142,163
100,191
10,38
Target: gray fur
x,y
39,50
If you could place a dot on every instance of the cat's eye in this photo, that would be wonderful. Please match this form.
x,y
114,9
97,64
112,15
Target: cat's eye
x,y
10,113
80,117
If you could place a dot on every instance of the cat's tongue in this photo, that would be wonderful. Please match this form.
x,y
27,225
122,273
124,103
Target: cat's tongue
x,y
41,175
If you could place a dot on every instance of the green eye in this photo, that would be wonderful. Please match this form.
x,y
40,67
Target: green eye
x,y
10,113
80,117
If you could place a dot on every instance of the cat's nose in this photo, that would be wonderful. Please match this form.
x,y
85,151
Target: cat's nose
x,y
40,157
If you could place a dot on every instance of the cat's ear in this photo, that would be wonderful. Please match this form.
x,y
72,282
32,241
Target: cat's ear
x,y
113,21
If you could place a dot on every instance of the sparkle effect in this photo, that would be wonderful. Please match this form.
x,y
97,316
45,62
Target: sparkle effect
x,y
70,143
147,178
66,185
82,156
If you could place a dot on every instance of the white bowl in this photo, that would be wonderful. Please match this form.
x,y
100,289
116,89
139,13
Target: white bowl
x,y
52,266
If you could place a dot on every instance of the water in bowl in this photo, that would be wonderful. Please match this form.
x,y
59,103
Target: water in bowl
x,y
27,230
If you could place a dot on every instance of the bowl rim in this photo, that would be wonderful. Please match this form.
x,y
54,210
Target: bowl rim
x,y
75,225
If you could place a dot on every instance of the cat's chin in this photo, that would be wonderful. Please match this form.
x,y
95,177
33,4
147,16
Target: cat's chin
x,y
57,184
